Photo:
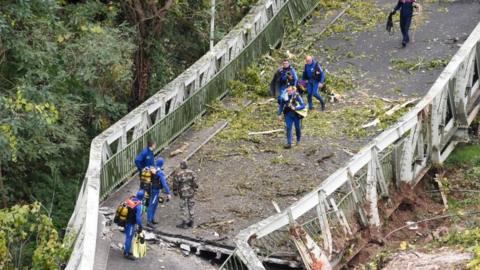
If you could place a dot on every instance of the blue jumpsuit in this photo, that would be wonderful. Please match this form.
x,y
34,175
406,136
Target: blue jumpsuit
x,y
156,187
130,227
406,13
144,159
312,83
292,118
284,83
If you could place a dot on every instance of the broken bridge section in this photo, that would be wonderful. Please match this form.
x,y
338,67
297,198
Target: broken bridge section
x,y
350,200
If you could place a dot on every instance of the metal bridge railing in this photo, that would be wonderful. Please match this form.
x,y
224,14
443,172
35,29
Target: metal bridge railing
x,y
169,112
401,155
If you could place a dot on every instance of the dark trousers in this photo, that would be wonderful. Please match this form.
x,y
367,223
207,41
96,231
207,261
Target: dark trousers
x,y
405,22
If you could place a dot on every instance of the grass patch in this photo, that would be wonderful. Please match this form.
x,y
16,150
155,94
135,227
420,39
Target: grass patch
x,y
465,155
420,63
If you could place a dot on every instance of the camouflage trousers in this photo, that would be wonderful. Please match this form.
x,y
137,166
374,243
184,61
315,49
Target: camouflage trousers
x,y
186,207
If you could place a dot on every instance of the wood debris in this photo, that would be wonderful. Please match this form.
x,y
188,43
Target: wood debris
x,y
265,132
179,150
390,112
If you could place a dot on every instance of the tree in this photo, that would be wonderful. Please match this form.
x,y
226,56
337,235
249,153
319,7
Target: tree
x,y
28,239
148,17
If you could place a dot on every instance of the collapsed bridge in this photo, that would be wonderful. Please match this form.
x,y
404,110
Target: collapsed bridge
x,y
424,136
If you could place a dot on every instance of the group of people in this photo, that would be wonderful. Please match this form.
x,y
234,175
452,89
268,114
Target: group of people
x,y
152,181
287,88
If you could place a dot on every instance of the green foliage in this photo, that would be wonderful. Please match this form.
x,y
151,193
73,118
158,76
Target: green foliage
x,y
63,68
361,16
29,240
470,240
420,63
465,155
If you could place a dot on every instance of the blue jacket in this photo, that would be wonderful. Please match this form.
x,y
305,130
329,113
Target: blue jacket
x,y
163,180
283,76
138,211
405,7
309,73
144,159
283,106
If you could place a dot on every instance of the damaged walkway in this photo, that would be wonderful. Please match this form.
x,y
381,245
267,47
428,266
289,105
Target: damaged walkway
x,y
240,177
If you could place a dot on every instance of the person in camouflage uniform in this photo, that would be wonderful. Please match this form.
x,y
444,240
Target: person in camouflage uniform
x,y
185,185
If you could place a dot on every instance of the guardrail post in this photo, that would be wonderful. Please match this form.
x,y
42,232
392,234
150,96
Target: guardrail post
x,y
407,170
106,152
372,196
358,205
396,160
323,220
437,125
122,141
341,218
379,172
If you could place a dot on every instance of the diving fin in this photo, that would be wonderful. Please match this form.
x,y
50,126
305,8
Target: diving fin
x,y
142,245
136,246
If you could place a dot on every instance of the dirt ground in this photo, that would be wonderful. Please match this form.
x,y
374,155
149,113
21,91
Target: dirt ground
x,y
425,245
240,178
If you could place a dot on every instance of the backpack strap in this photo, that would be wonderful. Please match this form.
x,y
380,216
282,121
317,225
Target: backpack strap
x,y
131,203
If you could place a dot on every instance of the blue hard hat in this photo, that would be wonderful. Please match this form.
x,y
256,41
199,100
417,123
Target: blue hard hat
x,y
140,194
160,162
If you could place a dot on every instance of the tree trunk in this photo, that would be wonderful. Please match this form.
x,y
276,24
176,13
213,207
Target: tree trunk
x,y
2,188
147,16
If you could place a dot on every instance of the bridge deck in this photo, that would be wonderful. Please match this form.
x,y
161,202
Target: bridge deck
x,y
240,178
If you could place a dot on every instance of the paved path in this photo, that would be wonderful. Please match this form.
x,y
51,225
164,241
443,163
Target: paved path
x,y
236,190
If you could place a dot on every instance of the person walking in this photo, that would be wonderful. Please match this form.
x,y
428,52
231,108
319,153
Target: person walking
x,y
284,77
289,106
314,75
406,14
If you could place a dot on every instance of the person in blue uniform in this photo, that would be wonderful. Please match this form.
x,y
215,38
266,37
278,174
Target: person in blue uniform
x,y
146,158
159,182
314,75
284,77
406,14
134,219
288,105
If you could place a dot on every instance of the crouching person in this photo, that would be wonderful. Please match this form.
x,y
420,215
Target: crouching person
x,y
134,219
291,105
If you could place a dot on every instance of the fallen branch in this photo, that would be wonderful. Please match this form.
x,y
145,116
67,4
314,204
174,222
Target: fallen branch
x,y
216,223
266,101
322,159
179,150
390,112
265,132
431,219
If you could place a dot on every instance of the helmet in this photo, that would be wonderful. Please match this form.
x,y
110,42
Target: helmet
x,y
183,164
140,194
160,162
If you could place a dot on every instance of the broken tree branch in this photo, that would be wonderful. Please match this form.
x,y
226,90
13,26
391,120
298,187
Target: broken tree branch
x,y
391,112
265,132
